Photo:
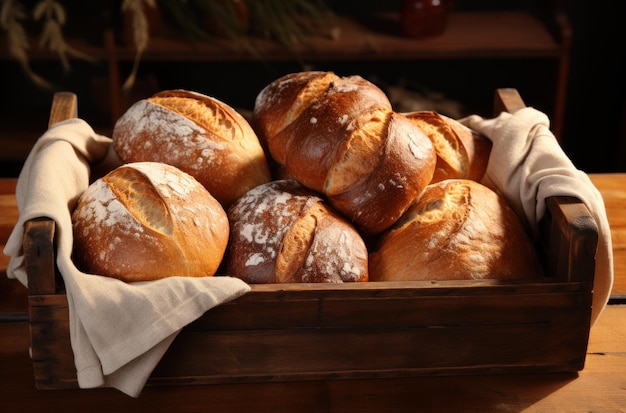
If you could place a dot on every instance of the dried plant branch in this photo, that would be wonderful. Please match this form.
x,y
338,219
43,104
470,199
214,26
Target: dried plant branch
x,y
12,14
290,22
228,19
186,17
141,33
52,15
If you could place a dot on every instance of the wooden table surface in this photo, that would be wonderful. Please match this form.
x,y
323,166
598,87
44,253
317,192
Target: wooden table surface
x,y
600,387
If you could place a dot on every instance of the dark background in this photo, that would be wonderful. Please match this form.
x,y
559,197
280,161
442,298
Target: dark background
x,y
595,126
594,134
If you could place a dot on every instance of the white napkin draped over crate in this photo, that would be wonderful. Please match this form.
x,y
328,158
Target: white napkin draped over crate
x,y
528,165
119,331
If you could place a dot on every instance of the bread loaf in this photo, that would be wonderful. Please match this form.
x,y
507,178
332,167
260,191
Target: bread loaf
x,y
282,101
144,221
461,152
457,229
198,134
340,137
282,232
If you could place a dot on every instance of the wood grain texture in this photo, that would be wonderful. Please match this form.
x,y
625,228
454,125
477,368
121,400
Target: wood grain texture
x,y
507,100
64,106
612,186
598,388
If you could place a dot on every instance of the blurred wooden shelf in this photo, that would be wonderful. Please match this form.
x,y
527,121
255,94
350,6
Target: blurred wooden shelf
x,y
514,35
468,34
508,34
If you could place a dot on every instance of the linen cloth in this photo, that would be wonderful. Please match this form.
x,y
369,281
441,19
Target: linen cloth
x,y
119,331
528,165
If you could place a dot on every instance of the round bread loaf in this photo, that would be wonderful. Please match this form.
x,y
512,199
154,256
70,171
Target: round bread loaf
x,y
198,134
461,152
144,221
282,101
457,229
340,137
282,232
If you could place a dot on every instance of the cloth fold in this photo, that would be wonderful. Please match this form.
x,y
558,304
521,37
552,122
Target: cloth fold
x,y
528,165
119,331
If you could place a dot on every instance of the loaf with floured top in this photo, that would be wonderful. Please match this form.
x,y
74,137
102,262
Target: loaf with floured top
x,y
282,232
458,229
147,220
198,134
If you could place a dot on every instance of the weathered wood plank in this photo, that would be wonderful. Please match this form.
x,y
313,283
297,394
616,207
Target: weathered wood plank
x,y
39,256
64,106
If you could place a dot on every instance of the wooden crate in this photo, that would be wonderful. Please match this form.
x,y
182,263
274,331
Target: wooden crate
x,y
290,332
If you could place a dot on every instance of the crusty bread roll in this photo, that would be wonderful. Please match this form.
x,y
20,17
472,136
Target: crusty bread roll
x,y
340,137
198,134
457,229
282,101
144,221
461,152
282,232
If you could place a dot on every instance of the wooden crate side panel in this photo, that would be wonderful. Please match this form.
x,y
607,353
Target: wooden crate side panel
x,y
554,338
272,292
39,256
320,339
255,311
51,350
571,239
279,355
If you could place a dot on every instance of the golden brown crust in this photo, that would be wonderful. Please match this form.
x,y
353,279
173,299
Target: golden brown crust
x,y
457,229
198,134
145,221
461,152
405,165
282,101
282,232
452,158
346,143
307,146
477,147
